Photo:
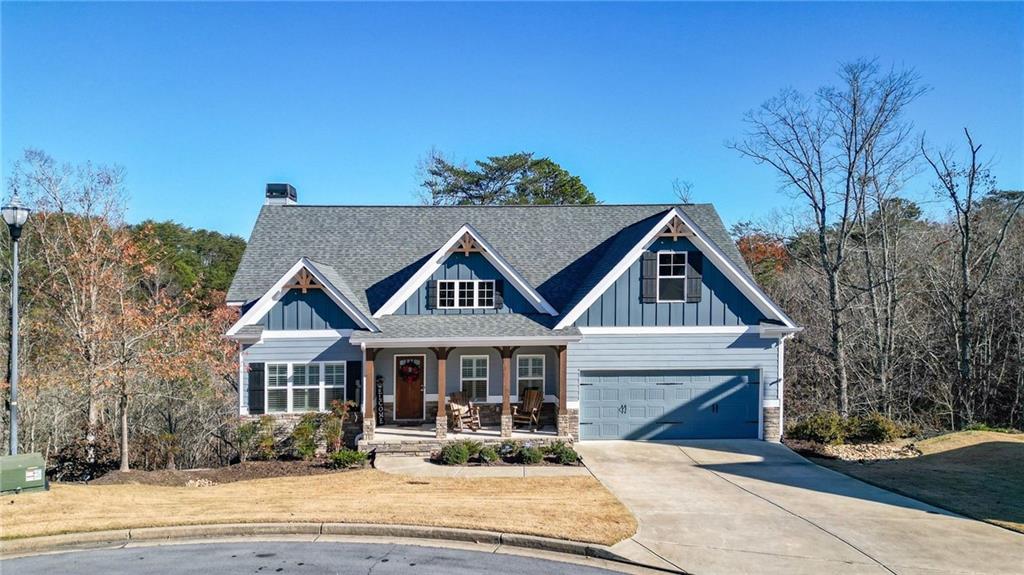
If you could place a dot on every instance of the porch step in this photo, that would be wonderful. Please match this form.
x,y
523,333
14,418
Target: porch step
x,y
413,447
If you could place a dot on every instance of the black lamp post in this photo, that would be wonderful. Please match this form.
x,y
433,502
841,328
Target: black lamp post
x,y
15,215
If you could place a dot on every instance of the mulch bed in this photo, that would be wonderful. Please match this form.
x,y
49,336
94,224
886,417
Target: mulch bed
x,y
217,475
861,452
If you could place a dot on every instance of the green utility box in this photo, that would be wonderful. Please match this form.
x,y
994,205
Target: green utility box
x,y
23,473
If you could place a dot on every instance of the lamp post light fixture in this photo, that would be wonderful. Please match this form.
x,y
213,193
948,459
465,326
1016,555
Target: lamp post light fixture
x,y
15,214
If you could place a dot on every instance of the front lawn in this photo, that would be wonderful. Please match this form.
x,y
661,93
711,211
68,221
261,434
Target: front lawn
x,y
576,508
979,474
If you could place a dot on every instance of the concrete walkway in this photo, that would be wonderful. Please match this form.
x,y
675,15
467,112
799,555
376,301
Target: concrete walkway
x,y
416,466
753,507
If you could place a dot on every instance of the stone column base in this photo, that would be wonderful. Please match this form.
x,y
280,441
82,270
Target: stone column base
x,y
441,427
772,429
506,425
369,424
569,424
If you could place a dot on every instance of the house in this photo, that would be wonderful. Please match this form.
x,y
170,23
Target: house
x,y
634,321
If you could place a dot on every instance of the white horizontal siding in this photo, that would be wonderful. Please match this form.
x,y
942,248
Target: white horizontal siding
x,y
674,351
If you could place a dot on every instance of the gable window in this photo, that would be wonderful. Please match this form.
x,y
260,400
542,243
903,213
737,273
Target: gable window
x,y
302,387
454,294
473,377
671,276
529,373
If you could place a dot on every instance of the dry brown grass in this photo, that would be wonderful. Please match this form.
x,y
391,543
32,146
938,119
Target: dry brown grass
x,y
974,473
576,508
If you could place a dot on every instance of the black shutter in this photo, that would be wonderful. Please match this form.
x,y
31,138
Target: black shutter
x,y
431,294
649,278
256,387
353,379
694,269
499,294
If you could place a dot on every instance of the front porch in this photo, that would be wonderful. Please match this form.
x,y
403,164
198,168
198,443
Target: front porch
x,y
408,392
422,440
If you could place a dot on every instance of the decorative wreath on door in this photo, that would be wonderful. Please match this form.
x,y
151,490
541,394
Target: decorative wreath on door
x,y
410,371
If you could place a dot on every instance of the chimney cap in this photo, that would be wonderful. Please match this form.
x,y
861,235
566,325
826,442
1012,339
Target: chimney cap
x,y
281,195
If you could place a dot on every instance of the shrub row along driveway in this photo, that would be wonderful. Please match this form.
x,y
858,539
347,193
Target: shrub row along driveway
x,y
744,506
531,505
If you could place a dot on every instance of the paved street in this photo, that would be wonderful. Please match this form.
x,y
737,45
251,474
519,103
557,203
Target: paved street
x,y
745,506
305,558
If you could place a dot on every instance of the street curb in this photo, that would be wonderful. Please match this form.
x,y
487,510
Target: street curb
x,y
118,537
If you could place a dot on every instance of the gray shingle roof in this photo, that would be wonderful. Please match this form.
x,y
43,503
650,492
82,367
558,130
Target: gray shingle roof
x,y
374,249
494,325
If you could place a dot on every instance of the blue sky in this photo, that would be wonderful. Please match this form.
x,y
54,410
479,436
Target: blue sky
x,y
205,103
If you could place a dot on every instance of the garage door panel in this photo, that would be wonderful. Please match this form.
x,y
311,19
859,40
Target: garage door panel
x,y
678,404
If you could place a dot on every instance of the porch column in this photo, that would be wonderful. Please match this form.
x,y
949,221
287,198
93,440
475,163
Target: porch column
x,y
441,422
563,412
506,389
369,417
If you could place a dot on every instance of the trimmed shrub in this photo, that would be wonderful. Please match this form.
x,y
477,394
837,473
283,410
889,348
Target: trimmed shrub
x,y
488,455
530,455
509,450
304,436
265,447
825,427
456,453
872,428
472,447
563,454
248,435
346,458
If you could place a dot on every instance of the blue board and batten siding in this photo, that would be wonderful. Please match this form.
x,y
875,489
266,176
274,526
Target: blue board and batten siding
x,y
311,310
721,302
459,266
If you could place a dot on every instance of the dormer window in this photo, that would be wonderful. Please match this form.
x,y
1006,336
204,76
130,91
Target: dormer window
x,y
671,276
454,294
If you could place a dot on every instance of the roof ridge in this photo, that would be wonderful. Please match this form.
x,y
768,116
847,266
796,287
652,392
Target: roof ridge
x,y
292,206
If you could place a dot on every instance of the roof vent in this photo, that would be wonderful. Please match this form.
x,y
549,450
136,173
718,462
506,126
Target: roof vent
x,y
281,195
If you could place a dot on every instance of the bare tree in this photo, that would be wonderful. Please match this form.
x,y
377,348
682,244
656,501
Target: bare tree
x,y
965,185
683,190
826,149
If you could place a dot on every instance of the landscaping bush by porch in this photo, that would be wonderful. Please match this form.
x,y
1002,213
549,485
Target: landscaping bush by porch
x,y
510,452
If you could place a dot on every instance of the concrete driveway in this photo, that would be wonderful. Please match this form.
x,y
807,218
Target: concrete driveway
x,y
744,506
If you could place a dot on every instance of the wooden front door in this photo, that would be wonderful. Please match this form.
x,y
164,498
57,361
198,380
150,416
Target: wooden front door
x,y
409,372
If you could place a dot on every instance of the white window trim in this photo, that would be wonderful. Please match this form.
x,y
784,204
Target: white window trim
x,y
543,371
657,287
457,290
290,386
486,378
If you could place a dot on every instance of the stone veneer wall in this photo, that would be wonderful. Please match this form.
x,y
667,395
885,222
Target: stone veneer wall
x,y
284,424
490,414
772,429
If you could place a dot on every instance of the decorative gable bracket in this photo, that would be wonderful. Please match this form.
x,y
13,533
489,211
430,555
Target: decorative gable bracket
x,y
304,281
675,229
467,244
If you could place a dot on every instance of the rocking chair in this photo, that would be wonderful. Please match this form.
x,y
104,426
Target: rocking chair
x,y
528,410
462,414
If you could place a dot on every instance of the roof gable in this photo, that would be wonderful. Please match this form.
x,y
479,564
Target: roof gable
x,y
303,276
466,240
667,225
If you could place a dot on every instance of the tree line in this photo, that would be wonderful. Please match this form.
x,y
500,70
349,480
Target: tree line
x,y
915,317
122,359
